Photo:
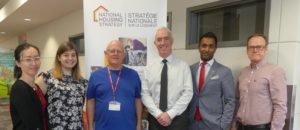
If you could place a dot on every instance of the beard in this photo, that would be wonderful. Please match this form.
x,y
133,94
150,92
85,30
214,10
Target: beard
x,y
206,57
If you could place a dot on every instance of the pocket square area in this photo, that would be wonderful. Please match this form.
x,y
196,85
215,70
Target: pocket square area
x,y
215,77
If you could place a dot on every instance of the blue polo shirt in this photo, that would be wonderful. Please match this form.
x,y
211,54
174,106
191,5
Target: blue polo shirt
x,y
128,90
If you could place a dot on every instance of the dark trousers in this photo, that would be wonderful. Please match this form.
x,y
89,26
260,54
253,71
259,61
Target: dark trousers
x,y
254,127
178,123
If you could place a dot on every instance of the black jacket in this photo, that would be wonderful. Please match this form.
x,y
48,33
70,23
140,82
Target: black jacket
x,y
25,107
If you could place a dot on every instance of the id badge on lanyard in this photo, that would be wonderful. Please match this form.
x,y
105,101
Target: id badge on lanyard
x,y
114,105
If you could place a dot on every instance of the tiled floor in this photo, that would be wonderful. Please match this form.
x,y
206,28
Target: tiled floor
x,y
5,121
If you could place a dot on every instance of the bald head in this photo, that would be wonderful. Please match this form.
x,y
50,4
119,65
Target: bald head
x,y
163,42
164,29
115,54
114,43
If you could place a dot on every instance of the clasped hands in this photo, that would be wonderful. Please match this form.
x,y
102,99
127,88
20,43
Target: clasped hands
x,y
164,119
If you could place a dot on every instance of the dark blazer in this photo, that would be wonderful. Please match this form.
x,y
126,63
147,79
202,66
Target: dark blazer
x,y
216,99
25,107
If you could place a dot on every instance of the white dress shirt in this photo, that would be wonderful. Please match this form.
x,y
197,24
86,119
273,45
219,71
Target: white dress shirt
x,y
180,87
207,68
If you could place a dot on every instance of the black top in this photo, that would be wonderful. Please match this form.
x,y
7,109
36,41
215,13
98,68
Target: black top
x,y
25,107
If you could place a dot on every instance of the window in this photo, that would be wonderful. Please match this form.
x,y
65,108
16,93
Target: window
x,y
169,20
232,21
78,40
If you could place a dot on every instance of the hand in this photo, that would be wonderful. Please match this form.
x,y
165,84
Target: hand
x,y
233,128
164,119
90,128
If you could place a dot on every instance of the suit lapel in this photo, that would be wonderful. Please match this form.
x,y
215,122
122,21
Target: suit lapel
x,y
195,69
210,74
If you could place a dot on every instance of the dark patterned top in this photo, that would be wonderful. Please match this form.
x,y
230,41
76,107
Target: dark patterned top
x,y
65,102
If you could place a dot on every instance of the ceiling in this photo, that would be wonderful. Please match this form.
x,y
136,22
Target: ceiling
x,y
2,3
39,11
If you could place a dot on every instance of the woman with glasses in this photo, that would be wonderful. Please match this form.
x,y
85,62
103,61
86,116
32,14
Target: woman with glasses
x,y
27,102
65,90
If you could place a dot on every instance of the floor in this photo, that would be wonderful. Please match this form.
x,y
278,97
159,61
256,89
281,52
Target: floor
x,y
5,121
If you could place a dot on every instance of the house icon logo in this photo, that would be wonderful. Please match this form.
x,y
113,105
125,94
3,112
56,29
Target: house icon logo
x,y
100,9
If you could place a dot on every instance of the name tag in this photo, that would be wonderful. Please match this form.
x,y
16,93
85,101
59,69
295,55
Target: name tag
x,y
114,106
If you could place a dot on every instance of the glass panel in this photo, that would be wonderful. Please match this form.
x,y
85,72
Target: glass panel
x,y
232,23
78,41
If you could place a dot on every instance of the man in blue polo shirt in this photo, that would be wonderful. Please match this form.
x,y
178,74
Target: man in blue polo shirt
x,y
114,94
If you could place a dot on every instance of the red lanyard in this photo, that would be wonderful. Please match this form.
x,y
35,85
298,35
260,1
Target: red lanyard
x,y
114,88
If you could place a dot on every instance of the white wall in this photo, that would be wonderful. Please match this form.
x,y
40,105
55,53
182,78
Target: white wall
x,y
9,44
284,37
49,36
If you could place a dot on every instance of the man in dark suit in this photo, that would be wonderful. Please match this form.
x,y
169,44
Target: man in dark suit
x,y
213,102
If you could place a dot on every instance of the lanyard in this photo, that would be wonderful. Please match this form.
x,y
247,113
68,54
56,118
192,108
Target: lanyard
x,y
114,88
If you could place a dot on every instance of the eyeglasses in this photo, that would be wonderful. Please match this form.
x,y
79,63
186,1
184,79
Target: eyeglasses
x,y
258,48
115,51
159,39
31,59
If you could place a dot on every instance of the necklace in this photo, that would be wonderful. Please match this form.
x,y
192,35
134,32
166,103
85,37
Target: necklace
x,y
31,84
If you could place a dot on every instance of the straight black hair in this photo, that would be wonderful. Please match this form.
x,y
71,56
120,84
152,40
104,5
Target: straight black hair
x,y
19,49
208,35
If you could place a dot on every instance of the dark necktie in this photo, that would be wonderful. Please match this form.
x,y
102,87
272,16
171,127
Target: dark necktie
x,y
200,85
163,103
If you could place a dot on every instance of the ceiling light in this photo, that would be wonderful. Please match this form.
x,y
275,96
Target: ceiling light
x,y
3,33
27,20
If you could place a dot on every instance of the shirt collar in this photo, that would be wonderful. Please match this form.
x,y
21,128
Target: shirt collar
x,y
210,62
170,58
259,64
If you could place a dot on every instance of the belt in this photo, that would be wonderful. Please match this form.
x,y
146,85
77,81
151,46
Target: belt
x,y
261,126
